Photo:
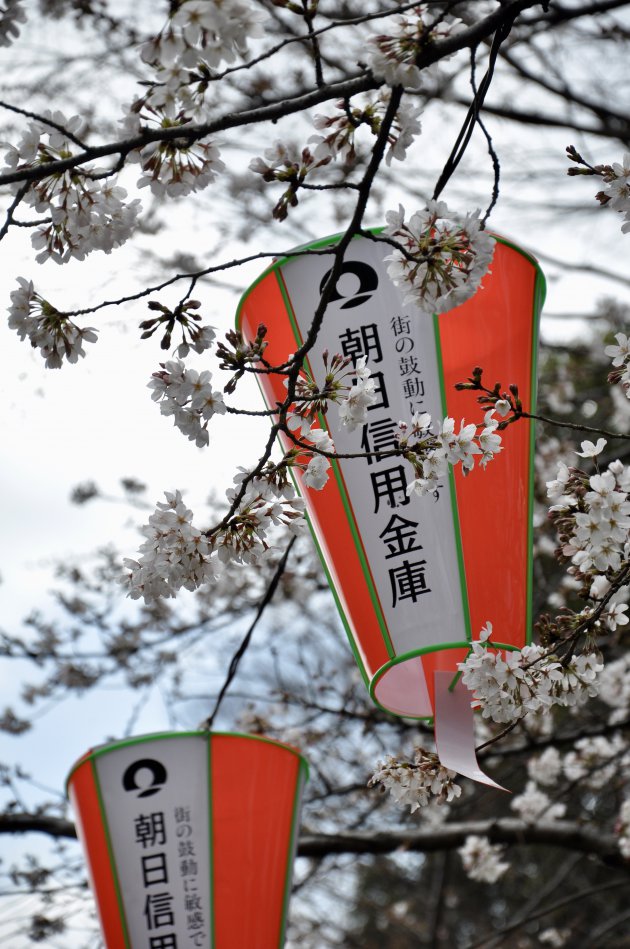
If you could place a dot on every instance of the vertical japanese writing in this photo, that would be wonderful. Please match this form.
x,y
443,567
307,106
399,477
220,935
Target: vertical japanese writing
x,y
189,874
392,344
150,836
408,365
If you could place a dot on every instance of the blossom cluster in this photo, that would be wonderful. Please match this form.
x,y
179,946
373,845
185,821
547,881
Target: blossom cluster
x,y
413,784
354,407
52,332
533,805
178,165
353,397
188,397
482,860
11,13
177,554
616,194
430,453
86,210
392,56
529,680
303,420
442,259
317,467
290,166
200,32
592,517
621,362
340,130
197,38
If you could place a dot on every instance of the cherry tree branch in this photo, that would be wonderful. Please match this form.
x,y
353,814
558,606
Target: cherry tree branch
x,y
568,835
273,111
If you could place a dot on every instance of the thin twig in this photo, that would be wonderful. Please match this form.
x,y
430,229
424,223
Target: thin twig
x,y
242,649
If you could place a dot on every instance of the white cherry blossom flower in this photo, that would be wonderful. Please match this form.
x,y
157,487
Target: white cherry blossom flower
x,y
392,54
316,474
534,805
86,213
616,615
526,681
545,768
341,130
621,352
353,409
553,937
52,332
594,762
624,829
412,784
445,256
482,860
178,166
188,397
590,450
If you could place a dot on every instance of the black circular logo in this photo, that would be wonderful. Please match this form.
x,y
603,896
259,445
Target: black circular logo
x,y
136,777
367,284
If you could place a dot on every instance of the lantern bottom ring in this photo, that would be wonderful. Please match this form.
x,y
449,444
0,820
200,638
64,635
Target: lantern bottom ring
x,y
404,685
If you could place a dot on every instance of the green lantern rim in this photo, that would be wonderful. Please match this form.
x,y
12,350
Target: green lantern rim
x,y
99,750
418,653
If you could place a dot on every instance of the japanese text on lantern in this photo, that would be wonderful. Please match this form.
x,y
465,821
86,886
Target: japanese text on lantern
x,y
150,836
386,480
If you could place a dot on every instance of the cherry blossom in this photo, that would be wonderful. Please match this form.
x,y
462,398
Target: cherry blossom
x,y
353,409
188,397
621,362
590,449
210,33
86,210
624,829
47,329
530,680
430,454
553,937
595,761
592,516
482,860
177,554
545,768
341,130
443,257
178,166
533,805
412,784
316,474
392,55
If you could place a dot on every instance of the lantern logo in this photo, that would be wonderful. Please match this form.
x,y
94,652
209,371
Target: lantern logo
x,y
135,777
368,283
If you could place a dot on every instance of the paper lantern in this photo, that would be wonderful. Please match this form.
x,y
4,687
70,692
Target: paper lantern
x,y
190,838
414,578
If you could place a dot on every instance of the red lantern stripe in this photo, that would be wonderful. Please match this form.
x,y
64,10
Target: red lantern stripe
x,y
254,810
92,830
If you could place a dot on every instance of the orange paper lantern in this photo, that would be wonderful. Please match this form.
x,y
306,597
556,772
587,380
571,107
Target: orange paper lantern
x,y
190,838
414,578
